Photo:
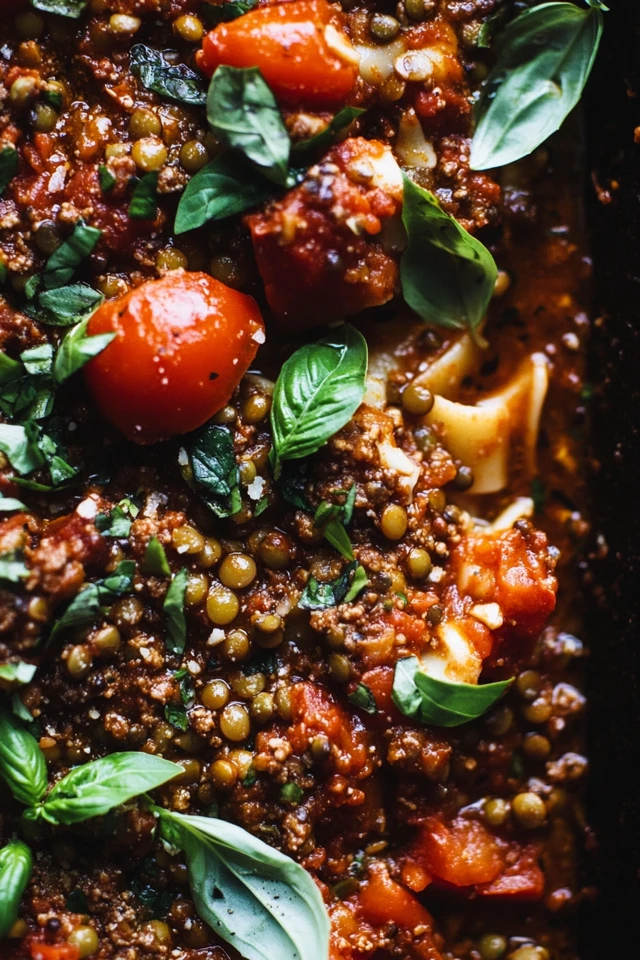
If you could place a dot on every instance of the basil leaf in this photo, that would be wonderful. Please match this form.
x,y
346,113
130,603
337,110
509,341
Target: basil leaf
x,y
19,445
215,470
293,483
224,12
22,763
16,864
69,304
93,789
8,166
242,112
106,178
11,503
26,390
155,559
9,369
291,793
447,275
321,142
119,582
362,697
359,582
157,73
544,58
144,199
176,715
113,524
19,672
83,610
186,686
77,349
317,392
63,8
220,189
63,262
38,360
320,596
338,537
441,702
258,900
173,609
12,568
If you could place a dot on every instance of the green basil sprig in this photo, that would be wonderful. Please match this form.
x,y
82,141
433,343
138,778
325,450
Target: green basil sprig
x,y
86,606
95,788
222,188
447,275
544,58
255,898
16,864
441,702
8,166
318,390
157,73
242,112
22,763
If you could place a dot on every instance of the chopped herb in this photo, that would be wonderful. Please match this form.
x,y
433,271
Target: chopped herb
x,y
114,524
224,12
19,672
77,349
320,143
291,793
363,697
63,8
63,262
176,715
250,777
11,503
222,188
106,178
65,306
173,609
215,470
12,567
320,596
175,80
144,199
155,559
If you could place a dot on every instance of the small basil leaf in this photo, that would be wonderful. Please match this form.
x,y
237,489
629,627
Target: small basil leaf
x,y
176,715
144,199
77,349
119,582
441,703
157,73
186,686
544,58
320,596
91,790
11,503
255,898
19,672
9,369
320,143
291,793
215,470
83,610
38,360
63,262
293,482
63,8
447,275
114,524
362,697
12,568
317,392
8,166
69,304
22,763
19,444
338,537
223,188
173,609
16,864
155,559
242,112
106,178
359,582
224,12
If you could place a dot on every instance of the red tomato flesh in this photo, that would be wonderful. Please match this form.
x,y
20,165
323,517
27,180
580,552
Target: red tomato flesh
x,y
182,344
288,42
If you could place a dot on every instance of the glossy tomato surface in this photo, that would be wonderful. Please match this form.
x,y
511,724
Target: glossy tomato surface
x,y
182,344
294,45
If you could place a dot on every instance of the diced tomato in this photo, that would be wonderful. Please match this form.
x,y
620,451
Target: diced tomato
x,y
53,951
461,852
381,899
522,880
315,711
297,46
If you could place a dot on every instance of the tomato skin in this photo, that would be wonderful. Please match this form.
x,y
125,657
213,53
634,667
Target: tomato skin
x,y
182,344
287,42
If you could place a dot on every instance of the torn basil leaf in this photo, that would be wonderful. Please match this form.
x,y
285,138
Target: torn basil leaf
x,y
77,349
255,898
68,305
291,793
113,524
222,188
144,199
447,276
155,559
19,672
173,609
12,567
19,444
8,166
63,262
63,8
543,61
320,143
175,80
320,596
8,504
441,703
176,715
363,698
215,470
242,112
106,178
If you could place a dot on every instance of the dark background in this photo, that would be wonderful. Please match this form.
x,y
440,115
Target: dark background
x,y
610,926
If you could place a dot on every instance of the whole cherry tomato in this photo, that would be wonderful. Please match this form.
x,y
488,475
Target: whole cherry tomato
x,y
300,48
182,344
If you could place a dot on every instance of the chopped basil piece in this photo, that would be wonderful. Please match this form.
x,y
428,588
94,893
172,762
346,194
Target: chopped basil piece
x,y
19,444
359,582
317,392
176,715
362,697
85,608
119,582
447,275
215,470
291,793
155,559
157,73
12,567
67,305
320,143
186,686
19,672
8,504
77,349
63,8
544,58
114,524
222,188
173,609
8,166
16,864
242,113
144,199
441,703
106,178
63,262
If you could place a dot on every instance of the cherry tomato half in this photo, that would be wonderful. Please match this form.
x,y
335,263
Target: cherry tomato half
x,y
299,47
182,344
